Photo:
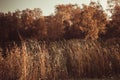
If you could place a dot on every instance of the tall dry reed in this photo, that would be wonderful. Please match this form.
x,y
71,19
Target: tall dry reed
x,y
72,59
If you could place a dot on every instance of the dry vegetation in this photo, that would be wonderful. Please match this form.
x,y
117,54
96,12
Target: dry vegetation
x,y
69,21
73,59
72,44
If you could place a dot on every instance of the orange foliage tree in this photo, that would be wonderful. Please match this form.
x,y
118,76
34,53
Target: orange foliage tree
x,y
91,21
28,17
65,14
40,29
114,24
54,28
18,25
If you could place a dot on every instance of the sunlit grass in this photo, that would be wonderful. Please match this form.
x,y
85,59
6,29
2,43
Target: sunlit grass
x,y
72,59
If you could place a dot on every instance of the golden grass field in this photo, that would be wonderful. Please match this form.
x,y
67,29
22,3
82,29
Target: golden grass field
x,y
62,60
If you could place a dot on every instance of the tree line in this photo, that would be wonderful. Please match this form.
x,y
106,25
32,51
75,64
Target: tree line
x,y
69,21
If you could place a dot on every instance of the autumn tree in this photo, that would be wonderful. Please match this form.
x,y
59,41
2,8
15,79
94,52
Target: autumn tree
x,y
54,28
28,17
22,25
16,23
65,14
5,26
91,21
40,29
114,24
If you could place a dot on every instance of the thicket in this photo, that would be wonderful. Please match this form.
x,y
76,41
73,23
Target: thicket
x,y
69,21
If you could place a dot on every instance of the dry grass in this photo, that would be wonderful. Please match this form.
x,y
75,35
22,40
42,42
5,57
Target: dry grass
x,y
61,60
